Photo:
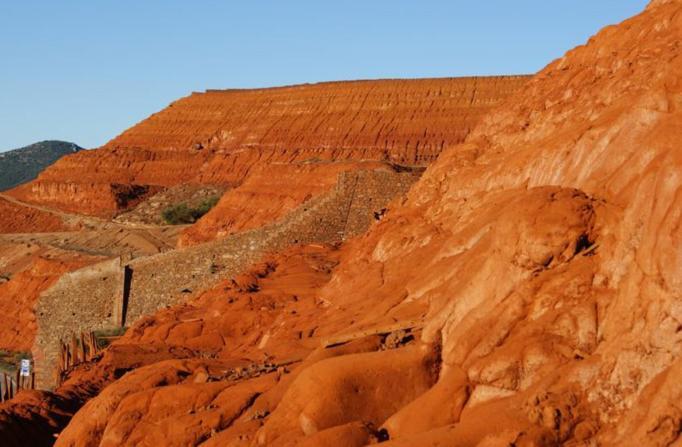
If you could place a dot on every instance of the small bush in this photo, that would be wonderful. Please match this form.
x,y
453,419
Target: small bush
x,y
177,214
205,206
183,214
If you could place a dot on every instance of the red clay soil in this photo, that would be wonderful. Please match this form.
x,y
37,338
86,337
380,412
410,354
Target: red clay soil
x,y
18,297
217,136
526,293
15,218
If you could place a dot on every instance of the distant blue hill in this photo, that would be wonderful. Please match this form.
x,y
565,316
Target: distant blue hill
x,y
24,164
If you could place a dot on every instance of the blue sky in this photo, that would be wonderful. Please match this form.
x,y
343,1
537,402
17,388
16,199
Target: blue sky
x,y
84,71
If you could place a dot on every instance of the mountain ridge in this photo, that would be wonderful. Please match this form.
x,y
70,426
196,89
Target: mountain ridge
x,y
21,165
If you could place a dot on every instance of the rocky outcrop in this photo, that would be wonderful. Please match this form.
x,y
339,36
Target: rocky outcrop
x,y
216,137
547,249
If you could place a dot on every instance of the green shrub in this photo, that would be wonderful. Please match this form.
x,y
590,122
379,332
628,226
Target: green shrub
x,y
177,214
205,206
182,214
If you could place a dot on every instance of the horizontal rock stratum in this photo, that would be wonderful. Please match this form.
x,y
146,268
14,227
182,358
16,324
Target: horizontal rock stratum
x,y
216,137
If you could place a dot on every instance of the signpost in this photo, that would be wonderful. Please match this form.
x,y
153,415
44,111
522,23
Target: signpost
x,y
22,378
25,368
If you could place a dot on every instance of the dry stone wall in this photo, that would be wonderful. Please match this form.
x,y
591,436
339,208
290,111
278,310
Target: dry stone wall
x,y
112,292
81,300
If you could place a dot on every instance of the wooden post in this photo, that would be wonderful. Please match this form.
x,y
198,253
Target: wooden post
x,y
86,346
33,380
6,384
81,346
69,358
74,350
92,349
95,346
60,363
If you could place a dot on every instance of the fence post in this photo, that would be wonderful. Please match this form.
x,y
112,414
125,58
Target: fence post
x,y
74,349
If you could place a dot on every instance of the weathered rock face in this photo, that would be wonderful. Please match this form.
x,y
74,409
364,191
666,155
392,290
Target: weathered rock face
x,y
548,249
217,136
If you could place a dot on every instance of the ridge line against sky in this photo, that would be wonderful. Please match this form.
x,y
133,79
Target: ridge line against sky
x,y
85,71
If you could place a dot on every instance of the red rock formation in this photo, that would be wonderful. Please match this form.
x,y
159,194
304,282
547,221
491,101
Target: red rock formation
x,y
217,136
547,249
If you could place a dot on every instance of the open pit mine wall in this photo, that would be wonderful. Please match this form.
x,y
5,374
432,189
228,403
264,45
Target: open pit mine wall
x,y
216,137
115,291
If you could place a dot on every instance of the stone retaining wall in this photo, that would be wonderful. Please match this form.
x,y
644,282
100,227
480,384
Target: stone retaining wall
x,y
81,300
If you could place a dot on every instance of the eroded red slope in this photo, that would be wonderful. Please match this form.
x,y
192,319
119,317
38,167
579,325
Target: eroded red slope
x,y
16,218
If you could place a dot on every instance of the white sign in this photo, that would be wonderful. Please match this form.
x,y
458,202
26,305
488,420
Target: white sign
x,y
25,367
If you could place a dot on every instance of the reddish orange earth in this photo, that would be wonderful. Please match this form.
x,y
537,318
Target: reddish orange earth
x,y
526,292
20,219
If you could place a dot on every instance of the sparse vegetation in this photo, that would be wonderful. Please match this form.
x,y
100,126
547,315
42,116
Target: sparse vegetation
x,y
183,214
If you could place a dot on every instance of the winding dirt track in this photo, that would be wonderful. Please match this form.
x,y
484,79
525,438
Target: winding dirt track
x,y
95,236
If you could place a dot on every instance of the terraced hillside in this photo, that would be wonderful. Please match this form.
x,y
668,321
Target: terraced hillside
x,y
216,137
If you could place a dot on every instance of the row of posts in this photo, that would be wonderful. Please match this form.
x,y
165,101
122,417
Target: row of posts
x,y
76,351
23,379
72,353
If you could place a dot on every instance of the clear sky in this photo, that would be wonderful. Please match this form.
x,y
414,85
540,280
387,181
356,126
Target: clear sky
x,y
85,70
